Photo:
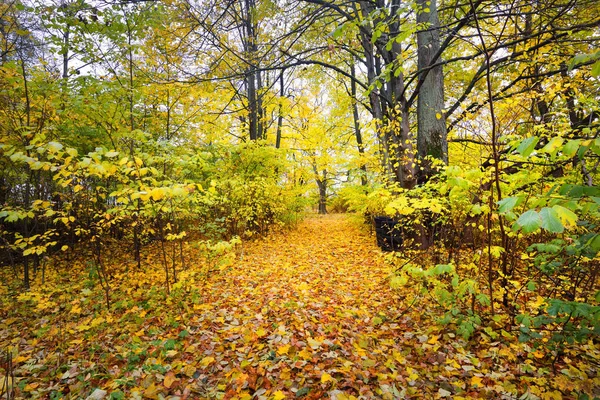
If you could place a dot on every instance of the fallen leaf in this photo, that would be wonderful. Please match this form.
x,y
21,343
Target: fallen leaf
x,y
97,394
170,378
476,381
278,395
206,361
283,349
326,377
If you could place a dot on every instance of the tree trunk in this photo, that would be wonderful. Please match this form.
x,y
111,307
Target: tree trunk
x,y
357,132
431,124
280,116
322,183
253,78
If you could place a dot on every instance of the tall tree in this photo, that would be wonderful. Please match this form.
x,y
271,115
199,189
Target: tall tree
x,y
431,124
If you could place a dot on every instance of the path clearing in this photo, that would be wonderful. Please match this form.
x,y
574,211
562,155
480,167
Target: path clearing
x,y
307,311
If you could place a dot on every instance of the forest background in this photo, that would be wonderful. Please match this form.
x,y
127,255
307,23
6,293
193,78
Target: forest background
x,y
141,135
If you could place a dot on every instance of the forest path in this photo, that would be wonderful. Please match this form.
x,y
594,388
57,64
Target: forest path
x,y
307,313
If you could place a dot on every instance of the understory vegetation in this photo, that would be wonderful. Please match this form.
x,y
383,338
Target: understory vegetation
x,y
161,165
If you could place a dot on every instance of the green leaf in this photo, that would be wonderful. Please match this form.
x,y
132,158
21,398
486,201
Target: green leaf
x,y
570,149
484,299
398,281
582,150
529,221
594,243
441,269
507,204
117,395
571,190
527,146
338,31
596,69
550,220
595,146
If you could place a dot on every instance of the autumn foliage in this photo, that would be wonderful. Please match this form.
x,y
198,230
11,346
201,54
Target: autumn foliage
x,y
162,164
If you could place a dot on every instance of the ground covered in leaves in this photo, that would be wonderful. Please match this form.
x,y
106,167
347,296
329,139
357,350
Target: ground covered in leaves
x,y
307,313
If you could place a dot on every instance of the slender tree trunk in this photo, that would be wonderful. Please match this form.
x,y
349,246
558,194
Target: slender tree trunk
x,y
431,124
27,196
357,132
65,62
280,116
130,67
260,117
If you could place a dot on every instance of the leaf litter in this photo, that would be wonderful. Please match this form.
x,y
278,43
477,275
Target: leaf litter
x,y
307,313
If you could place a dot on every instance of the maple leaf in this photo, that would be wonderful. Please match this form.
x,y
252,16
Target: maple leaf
x,y
283,349
278,395
476,381
325,377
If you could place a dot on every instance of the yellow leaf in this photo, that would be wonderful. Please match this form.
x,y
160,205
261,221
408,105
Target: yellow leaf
x,y
151,392
157,193
20,359
189,370
206,361
283,349
278,395
315,344
438,115
170,378
97,321
476,381
285,374
261,332
305,354
433,340
538,354
75,310
326,377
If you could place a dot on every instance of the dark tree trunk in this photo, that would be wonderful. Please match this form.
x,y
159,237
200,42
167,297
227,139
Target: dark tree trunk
x,y
322,183
431,123
253,76
280,116
357,132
